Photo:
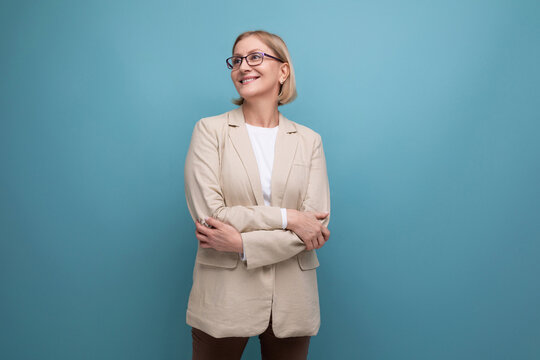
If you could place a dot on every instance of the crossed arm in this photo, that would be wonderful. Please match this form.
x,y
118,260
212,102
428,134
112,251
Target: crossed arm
x,y
264,240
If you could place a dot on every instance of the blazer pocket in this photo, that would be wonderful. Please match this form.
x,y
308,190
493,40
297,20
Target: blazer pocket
x,y
308,260
212,257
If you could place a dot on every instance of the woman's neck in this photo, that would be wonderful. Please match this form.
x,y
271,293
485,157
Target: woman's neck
x,y
262,114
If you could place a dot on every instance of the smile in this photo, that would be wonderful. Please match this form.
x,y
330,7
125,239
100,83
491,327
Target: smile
x,y
247,81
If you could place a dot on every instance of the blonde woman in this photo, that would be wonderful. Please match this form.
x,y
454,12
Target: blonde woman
x,y
257,189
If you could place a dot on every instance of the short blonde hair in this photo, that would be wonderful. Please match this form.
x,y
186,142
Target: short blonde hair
x,y
277,45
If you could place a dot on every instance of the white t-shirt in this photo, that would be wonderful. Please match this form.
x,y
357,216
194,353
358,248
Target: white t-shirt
x,y
263,141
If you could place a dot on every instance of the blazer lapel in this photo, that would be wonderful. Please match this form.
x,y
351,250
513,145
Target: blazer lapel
x,y
285,149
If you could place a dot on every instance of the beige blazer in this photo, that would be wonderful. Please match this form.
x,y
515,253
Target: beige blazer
x,y
230,297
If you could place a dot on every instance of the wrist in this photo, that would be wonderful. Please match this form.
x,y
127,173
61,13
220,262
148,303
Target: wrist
x,y
240,241
291,218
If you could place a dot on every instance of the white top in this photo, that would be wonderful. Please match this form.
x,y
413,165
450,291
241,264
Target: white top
x,y
263,141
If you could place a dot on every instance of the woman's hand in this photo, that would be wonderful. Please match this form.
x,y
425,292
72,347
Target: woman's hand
x,y
306,225
221,236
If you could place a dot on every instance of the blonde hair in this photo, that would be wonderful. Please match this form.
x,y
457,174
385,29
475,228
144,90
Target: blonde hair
x,y
277,45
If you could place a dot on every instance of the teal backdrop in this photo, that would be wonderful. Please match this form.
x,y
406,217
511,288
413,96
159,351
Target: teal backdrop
x,y
430,118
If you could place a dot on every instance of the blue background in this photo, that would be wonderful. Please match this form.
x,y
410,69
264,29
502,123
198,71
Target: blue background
x,y
429,113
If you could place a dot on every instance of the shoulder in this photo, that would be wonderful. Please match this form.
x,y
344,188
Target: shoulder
x,y
306,133
305,130
214,120
211,124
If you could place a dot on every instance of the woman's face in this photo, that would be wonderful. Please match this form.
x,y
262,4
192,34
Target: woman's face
x,y
268,73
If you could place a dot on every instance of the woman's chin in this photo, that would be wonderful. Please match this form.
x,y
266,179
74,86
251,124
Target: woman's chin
x,y
250,94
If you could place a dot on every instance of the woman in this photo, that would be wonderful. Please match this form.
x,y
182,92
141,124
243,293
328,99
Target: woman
x,y
257,188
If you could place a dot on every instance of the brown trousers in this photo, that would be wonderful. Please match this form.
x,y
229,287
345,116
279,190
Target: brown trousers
x,y
207,347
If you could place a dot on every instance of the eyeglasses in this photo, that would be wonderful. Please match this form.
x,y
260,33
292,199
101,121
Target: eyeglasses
x,y
252,59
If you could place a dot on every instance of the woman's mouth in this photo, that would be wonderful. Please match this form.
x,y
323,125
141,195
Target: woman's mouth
x,y
247,81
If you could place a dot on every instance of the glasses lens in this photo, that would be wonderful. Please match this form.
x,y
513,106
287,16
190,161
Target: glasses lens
x,y
254,59
233,62
236,60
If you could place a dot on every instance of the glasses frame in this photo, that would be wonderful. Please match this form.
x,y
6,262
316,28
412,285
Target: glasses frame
x,y
231,67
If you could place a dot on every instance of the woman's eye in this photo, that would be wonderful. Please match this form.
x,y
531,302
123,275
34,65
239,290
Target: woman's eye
x,y
235,60
255,56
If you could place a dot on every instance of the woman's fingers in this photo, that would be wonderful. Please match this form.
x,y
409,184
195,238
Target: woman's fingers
x,y
310,222
321,215
205,244
200,234
213,223
310,244
201,237
325,233
315,243
321,240
202,228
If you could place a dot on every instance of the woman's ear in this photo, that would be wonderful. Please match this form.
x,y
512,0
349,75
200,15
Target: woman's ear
x,y
284,72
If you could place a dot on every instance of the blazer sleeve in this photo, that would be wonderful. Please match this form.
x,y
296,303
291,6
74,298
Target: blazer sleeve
x,y
203,191
264,247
